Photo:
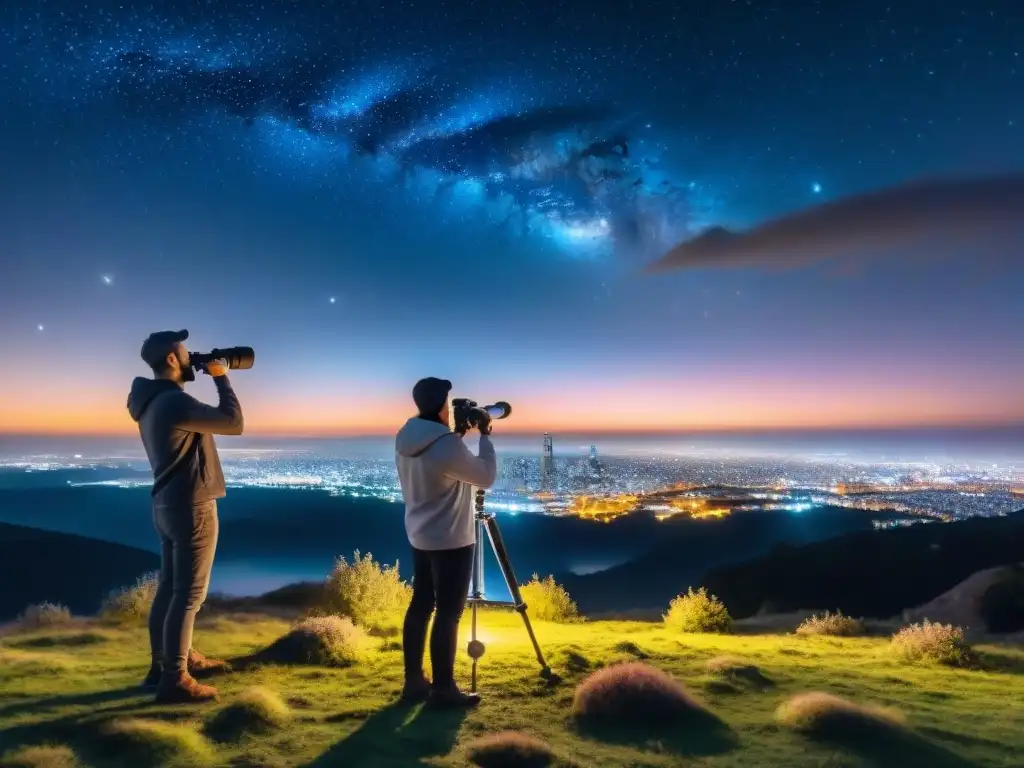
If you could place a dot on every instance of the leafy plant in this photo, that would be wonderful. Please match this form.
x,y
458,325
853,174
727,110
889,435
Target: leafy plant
x,y
549,601
698,612
372,595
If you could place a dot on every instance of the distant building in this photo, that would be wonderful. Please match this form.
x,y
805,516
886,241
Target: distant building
x,y
594,465
547,464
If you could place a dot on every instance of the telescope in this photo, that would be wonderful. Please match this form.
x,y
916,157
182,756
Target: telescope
x,y
469,415
238,358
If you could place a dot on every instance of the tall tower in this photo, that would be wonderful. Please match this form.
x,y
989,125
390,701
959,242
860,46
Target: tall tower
x,y
547,464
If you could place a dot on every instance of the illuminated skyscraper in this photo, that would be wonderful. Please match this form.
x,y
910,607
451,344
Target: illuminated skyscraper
x,y
596,470
547,464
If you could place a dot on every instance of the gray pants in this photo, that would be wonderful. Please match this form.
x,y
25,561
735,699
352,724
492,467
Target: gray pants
x,y
188,541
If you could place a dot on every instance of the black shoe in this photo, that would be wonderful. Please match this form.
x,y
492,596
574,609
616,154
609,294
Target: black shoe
x,y
152,678
416,690
452,698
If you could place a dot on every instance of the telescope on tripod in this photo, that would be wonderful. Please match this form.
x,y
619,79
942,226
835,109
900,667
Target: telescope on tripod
x,y
487,525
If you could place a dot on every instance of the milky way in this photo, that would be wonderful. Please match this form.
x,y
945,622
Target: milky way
x,y
584,174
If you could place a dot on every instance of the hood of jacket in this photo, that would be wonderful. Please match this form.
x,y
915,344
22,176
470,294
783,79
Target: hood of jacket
x,y
142,393
417,435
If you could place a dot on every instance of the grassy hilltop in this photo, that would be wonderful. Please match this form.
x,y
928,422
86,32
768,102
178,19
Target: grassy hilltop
x,y
68,697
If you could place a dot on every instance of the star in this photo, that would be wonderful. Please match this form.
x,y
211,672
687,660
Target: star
x,y
816,188
40,326
333,300
108,279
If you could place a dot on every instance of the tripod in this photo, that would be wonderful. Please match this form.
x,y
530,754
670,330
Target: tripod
x,y
485,522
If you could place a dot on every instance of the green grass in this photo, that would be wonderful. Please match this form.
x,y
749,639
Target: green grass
x,y
58,689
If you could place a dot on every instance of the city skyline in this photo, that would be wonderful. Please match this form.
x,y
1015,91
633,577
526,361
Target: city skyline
x,y
477,196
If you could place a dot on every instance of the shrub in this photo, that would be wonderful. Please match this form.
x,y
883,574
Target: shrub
x,y
929,641
330,641
831,717
155,743
132,603
45,615
510,749
633,694
41,757
369,594
832,624
1002,605
257,710
548,601
698,612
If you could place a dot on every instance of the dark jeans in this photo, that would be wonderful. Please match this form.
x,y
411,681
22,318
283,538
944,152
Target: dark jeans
x,y
440,580
188,541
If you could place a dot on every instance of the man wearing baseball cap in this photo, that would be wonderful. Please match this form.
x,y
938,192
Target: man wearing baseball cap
x,y
437,473
177,432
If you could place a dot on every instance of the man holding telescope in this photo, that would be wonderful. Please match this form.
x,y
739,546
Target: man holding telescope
x,y
177,432
437,473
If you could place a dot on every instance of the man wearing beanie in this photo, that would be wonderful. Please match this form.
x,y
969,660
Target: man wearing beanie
x,y
437,473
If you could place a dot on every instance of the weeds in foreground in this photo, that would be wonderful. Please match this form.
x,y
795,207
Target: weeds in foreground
x,y
130,604
372,595
831,624
330,641
930,641
45,616
549,601
698,612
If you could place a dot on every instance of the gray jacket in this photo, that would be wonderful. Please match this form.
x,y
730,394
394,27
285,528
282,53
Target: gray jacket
x,y
437,473
177,431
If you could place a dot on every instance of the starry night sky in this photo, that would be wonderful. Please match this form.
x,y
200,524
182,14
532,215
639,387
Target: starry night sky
x,y
368,193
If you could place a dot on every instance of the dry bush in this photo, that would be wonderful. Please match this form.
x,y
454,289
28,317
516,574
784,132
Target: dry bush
x,y
256,711
372,595
130,604
45,616
831,624
41,757
511,749
826,716
329,641
633,694
153,743
697,612
929,641
548,601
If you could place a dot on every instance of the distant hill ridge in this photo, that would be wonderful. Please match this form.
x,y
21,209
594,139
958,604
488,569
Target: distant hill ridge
x,y
874,574
38,566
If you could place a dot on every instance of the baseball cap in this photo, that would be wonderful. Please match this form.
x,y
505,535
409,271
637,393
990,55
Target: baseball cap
x,y
430,394
159,345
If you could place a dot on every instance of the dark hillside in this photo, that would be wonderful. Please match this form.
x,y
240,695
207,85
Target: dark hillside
x,y
875,574
38,566
689,548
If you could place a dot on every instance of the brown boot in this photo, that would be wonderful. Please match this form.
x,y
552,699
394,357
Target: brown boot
x,y
179,687
200,666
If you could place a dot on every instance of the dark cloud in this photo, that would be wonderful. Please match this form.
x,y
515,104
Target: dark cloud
x,y
940,216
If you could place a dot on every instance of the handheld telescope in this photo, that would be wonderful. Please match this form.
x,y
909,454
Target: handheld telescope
x,y
239,358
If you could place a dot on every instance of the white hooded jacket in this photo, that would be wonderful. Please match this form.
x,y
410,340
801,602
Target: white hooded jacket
x,y
437,473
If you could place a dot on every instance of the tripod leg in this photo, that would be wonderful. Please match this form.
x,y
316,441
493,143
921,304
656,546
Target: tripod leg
x,y
498,545
476,648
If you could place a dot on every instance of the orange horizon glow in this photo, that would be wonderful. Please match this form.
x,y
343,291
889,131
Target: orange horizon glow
x,y
645,404
373,422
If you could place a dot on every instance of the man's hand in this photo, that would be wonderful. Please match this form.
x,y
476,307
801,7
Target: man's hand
x,y
485,426
216,368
